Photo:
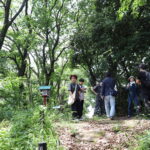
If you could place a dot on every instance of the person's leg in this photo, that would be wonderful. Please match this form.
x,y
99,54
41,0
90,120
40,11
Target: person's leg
x,y
129,106
141,101
78,108
136,103
97,106
82,104
107,105
81,108
146,104
112,106
74,110
102,107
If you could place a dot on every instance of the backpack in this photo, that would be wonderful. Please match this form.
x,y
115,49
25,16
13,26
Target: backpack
x,y
114,92
147,81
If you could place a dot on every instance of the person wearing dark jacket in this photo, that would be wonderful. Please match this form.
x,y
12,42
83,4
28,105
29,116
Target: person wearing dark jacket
x,y
108,88
76,107
99,105
144,83
133,95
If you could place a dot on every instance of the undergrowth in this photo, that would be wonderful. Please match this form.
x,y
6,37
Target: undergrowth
x,y
143,141
27,128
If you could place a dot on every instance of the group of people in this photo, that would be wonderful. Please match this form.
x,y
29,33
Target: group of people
x,y
106,92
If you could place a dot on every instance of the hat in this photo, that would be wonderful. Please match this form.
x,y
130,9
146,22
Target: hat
x,y
131,77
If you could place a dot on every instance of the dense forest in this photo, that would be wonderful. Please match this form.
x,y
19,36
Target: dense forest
x,y
43,42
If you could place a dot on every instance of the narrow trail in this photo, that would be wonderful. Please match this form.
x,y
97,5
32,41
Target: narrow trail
x,y
101,135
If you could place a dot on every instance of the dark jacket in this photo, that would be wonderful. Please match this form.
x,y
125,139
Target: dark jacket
x,y
142,77
98,89
72,87
133,90
108,86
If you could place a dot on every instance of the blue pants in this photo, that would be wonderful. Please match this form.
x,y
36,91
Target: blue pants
x,y
110,106
130,100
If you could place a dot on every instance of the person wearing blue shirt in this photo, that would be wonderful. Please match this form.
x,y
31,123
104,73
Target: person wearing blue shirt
x,y
108,87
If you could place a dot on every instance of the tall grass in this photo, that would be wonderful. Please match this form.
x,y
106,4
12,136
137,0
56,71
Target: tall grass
x,y
27,128
143,142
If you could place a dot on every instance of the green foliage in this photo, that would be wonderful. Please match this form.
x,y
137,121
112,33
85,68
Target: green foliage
x,y
55,38
27,129
112,43
144,142
6,112
106,41
131,5
10,90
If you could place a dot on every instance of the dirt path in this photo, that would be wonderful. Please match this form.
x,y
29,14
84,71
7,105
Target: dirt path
x,y
101,135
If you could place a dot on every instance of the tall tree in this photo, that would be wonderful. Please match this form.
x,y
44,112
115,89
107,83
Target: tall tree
x,y
18,43
51,26
112,41
8,18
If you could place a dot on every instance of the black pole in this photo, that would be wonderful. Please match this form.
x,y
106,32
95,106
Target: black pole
x,y
42,146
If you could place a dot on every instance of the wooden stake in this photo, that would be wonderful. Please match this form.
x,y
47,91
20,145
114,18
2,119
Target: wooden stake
x,y
42,146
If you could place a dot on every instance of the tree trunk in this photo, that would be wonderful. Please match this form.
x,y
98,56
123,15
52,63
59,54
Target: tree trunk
x,y
7,20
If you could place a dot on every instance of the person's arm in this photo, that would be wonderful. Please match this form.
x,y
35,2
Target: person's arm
x,y
83,89
93,90
69,89
103,90
127,87
141,78
79,89
138,81
116,89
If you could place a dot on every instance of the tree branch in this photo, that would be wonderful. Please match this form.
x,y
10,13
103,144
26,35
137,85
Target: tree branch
x,y
18,12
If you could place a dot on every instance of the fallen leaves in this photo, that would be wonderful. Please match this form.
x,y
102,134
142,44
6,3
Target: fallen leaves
x,y
101,135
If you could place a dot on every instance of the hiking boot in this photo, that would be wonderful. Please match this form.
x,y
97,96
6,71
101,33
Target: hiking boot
x,y
129,116
111,118
81,119
76,120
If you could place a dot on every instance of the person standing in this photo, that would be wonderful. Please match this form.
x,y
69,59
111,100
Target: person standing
x,y
76,106
132,96
83,91
99,105
144,82
108,94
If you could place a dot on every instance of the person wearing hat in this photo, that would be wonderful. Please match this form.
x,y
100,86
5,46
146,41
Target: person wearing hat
x,y
132,95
